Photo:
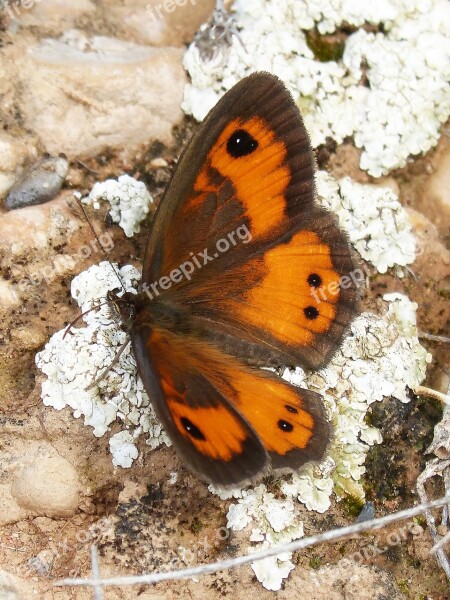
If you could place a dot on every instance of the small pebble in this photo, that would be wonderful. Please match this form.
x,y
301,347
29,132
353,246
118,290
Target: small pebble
x,y
48,485
367,513
159,162
38,184
42,563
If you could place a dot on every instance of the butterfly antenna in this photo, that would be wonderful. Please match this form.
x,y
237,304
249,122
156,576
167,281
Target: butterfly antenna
x,y
75,321
109,367
80,316
104,251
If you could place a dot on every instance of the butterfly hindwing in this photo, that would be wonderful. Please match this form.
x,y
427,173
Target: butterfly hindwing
x,y
229,422
287,298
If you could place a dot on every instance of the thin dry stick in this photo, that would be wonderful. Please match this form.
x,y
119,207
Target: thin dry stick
x,y
434,338
333,535
430,471
421,390
441,542
98,592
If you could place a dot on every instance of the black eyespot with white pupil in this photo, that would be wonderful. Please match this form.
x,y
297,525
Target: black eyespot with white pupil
x,y
311,313
241,143
192,429
285,426
314,280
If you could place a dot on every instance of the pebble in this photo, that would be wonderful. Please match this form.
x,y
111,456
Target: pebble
x,y
367,513
48,485
42,563
39,184
158,163
15,152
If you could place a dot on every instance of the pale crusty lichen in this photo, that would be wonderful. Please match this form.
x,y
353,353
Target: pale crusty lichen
x,y
128,198
389,90
375,221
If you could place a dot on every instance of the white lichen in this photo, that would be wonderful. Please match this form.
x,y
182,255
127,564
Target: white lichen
x,y
375,221
389,90
128,198
273,521
72,361
123,449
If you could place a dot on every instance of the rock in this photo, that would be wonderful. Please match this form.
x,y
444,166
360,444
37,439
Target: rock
x,y
42,563
29,338
432,257
431,270
10,511
9,296
153,22
28,238
14,152
40,183
101,92
159,22
436,194
367,513
46,525
48,485
52,16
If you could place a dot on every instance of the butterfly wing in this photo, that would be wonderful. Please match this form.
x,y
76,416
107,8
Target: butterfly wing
x,y
239,240
229,422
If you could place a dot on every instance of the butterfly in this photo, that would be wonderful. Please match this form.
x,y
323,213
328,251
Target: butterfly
x,y
242,270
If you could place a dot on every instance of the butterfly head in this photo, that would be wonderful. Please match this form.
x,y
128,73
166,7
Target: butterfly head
x,y
123,309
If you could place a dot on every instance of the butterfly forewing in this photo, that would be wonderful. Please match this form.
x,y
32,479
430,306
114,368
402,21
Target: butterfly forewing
x,y
255,256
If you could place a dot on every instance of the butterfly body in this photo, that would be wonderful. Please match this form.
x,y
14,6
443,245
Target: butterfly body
x,y
238,255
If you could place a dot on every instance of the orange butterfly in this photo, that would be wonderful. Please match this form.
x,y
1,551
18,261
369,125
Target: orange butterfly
x,y
238,254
